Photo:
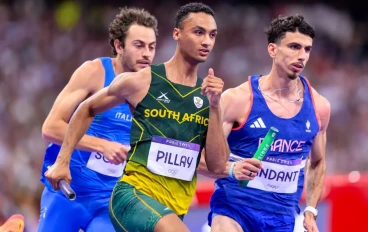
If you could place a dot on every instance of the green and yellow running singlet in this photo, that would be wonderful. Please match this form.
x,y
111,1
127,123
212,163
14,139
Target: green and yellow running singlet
x,y
167,136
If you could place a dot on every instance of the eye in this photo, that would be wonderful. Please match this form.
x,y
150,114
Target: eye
x,y
294,46
198,32
213,35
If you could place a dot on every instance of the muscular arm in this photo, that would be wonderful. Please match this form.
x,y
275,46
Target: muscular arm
x,y
86,80
126,86
216,145
316,165
202,167
228,99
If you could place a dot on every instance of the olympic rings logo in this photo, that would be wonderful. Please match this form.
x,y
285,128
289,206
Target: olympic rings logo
x,y
173,171
273,186
113,171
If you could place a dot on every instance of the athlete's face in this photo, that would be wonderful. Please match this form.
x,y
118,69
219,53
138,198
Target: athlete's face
x,y
291,53
140,48
196,36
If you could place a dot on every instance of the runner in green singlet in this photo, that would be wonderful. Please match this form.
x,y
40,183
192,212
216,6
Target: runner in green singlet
x,y
174,111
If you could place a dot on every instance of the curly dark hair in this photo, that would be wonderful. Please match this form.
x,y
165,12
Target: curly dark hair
x,y
193,7
128,16
282,24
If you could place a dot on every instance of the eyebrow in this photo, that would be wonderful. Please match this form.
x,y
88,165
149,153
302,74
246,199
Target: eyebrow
x,y
140,41
295,43
203,29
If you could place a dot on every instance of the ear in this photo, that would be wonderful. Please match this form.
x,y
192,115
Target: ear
x,y
176,33
118,47
272,49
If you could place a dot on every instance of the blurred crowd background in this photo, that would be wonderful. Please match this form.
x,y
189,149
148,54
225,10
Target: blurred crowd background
x,y
43,42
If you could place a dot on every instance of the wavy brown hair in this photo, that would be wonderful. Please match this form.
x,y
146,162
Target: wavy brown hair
x,y
128,16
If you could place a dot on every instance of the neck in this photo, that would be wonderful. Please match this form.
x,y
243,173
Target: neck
x,y
117,63
182,70
276,81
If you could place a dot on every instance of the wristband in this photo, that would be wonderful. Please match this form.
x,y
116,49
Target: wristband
x,y
311,209
231,174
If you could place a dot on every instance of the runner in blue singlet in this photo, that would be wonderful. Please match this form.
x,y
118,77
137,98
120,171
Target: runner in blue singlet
x,y
99,161
285,100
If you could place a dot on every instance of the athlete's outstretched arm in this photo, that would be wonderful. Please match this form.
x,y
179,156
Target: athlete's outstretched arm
x,y
108,97
316,165
125,87
87,79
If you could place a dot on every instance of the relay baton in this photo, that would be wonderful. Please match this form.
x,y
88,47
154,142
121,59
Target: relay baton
x,y
262,150
66,189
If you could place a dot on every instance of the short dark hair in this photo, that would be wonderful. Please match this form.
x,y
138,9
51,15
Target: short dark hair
x,y
282,24
128,16
193,7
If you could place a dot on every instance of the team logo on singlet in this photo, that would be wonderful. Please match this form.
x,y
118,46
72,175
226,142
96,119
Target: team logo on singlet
x,y
308,126
163,98
198,102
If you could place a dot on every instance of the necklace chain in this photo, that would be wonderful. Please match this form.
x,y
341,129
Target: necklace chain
x,y
278,99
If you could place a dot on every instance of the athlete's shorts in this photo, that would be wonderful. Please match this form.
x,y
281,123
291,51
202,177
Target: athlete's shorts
x,y
249,219
58,214
131,210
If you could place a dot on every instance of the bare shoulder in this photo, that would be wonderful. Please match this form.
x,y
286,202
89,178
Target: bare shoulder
x,y
132,86
237,94
94,68
89,75
236,102
144,75
323,108
133,79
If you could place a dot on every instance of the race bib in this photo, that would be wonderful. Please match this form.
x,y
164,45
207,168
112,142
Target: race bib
x,y
278,175
172,158
98,163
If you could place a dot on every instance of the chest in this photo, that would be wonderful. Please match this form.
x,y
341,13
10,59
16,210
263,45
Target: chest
x,y
296,132
284,109
176,98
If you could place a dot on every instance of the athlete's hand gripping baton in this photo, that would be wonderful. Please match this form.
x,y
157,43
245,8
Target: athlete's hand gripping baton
x,y
66,189
262,150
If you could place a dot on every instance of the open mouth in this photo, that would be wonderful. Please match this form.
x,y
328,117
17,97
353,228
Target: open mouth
x,y
297,67
204,52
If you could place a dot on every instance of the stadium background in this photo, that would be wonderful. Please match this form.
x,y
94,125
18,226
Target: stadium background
x,y
43,42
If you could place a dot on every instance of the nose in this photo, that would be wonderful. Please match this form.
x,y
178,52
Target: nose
x,y
302,55
207,41
147,53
